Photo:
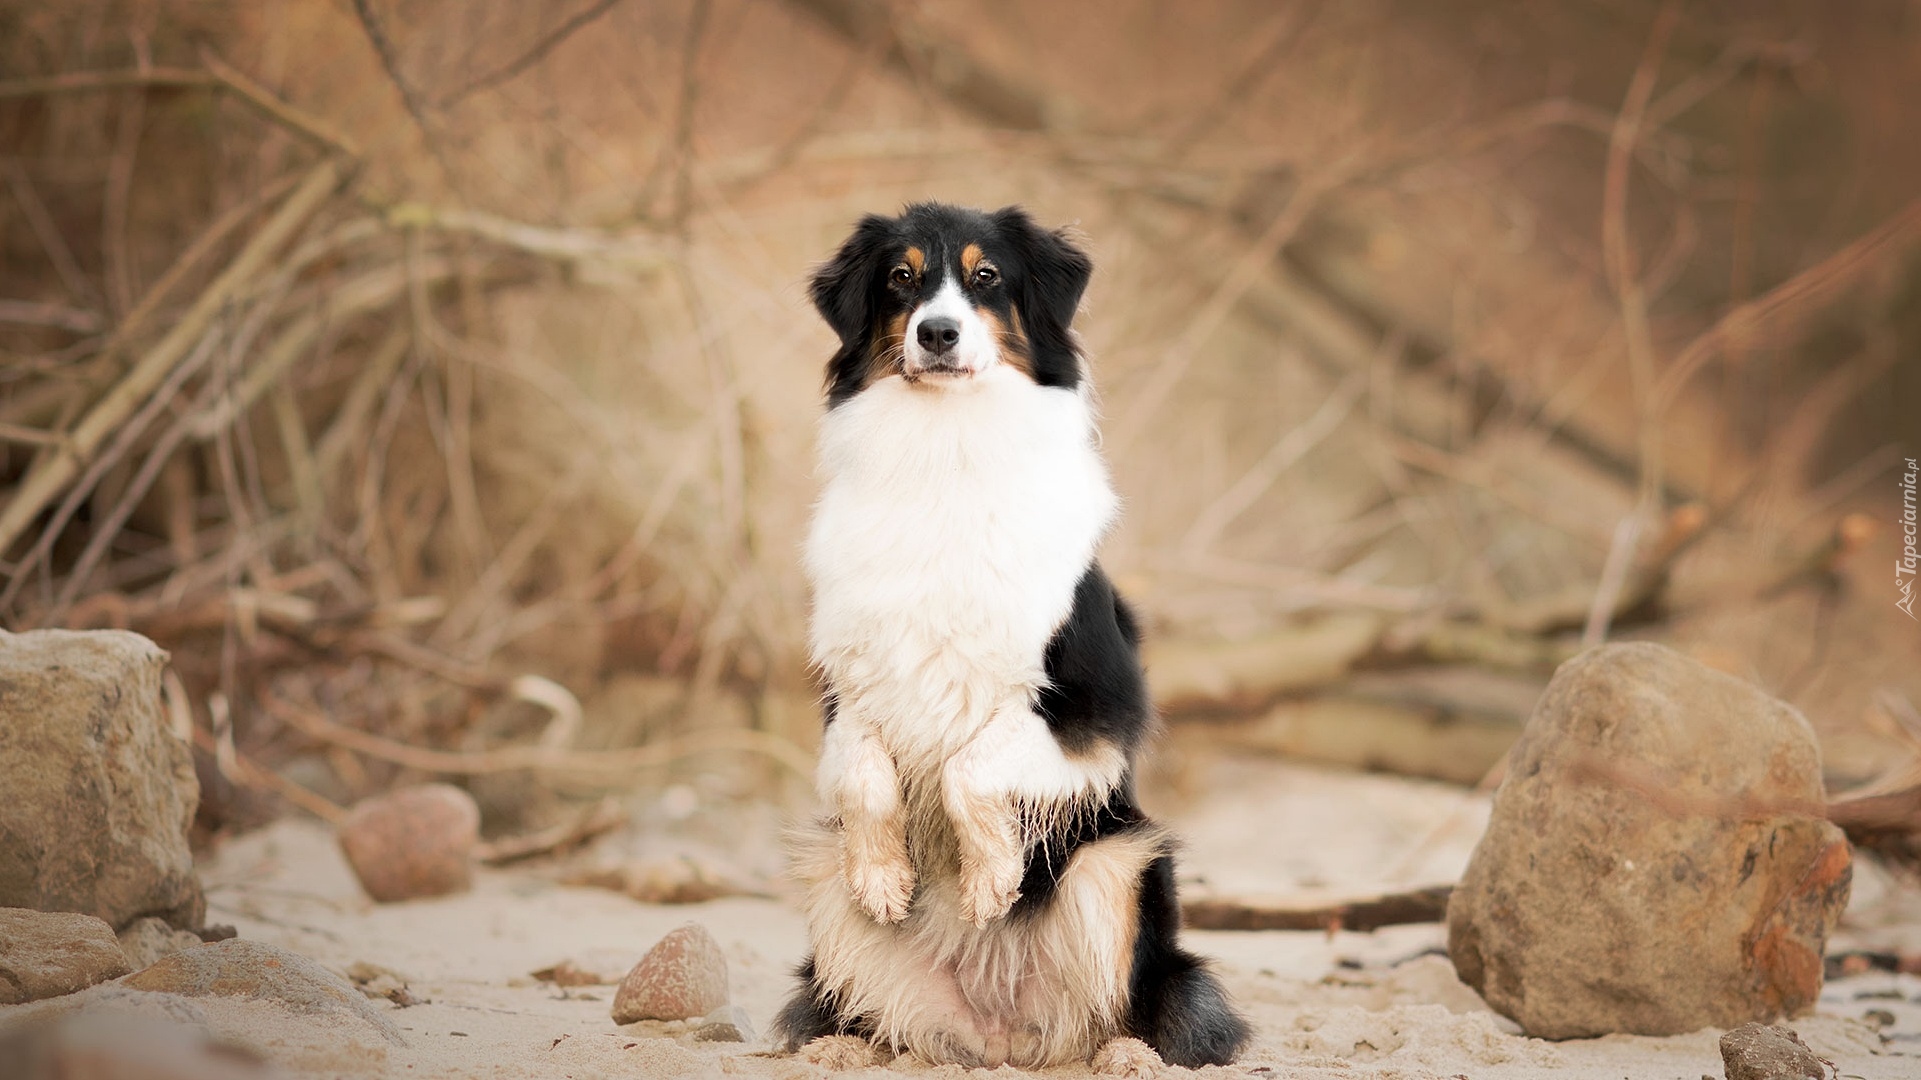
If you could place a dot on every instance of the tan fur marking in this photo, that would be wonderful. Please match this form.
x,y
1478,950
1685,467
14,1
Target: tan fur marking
x,y
1011,341
916,260
884,353
970,259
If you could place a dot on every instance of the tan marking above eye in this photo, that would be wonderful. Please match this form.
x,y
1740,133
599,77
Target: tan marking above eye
x,y
971,256
916,260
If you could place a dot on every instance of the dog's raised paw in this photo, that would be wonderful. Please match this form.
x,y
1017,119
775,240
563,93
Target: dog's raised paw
x,y
884,890
837,1053
988,893
1127,1057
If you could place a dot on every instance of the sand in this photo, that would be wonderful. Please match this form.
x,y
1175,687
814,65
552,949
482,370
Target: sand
x,y
1376,1005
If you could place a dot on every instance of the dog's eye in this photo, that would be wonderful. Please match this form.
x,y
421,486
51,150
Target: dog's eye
x,y
902,276
986,275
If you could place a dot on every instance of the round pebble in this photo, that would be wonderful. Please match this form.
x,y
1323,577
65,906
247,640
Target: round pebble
x,y
412,843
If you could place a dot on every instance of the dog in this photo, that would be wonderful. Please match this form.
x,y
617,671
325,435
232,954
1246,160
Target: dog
x,y
987,890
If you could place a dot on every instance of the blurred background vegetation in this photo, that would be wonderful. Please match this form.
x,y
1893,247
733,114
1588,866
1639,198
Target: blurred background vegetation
x,y
435,377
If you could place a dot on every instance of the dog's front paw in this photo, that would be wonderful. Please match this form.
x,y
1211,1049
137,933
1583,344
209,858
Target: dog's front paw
x,y
989,887
839,1053
884,888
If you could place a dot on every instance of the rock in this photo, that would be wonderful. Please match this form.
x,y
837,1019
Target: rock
x,y
729,1023
262,972
99,792
110,1046
147,939
413,843
46,954
683,975
1657,860
1753,1052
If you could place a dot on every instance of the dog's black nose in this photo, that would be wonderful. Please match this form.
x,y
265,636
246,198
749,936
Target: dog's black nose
x,y
938,335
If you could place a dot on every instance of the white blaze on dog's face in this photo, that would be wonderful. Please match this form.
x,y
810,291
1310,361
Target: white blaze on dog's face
x,y
939,296
947,339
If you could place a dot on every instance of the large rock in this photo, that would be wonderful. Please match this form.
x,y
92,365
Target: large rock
x,y
99,793
262,972
49,953
413,843
1656,861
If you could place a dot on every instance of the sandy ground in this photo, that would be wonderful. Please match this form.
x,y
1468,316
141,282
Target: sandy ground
x,y
1380,1005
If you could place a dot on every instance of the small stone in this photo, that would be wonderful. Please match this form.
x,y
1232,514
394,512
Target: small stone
x,y
374,981
729,1023
413,843
253,969
46,954
1753,1052
1657,860
99,791
146,940
683,975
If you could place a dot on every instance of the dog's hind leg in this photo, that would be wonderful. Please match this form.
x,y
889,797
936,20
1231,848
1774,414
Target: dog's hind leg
x,y
1176,1004
810,1014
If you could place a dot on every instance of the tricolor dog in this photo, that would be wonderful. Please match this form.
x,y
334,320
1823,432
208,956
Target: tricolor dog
x,y
986,890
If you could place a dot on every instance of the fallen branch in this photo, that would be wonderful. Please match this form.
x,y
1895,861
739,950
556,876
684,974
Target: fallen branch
x,y
50,473
540,758
537,52
1888,824
75,82
236,767
602,817
919,54
267,102
1776,312
1361,914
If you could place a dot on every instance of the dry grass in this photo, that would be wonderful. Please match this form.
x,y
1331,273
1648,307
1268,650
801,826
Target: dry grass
x,y
374,358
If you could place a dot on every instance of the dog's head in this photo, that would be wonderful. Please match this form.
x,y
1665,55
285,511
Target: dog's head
x,y
941,294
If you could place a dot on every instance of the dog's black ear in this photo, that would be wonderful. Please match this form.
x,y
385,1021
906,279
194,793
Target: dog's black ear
x,y
843,288
1054,275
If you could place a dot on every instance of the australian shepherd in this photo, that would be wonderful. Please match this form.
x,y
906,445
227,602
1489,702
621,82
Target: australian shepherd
x,y
987,890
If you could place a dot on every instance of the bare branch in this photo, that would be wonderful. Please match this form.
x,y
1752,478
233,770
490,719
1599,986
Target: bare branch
x,y
513,68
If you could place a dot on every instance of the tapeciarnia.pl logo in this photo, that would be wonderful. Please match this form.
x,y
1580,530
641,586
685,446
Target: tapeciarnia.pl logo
x,y
1904,567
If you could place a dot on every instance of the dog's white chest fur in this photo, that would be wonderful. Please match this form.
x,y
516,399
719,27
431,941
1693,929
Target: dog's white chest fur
x,y
952,528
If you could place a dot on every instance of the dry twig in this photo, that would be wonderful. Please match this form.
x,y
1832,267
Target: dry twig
x,y
534,54
1359,914
50,475
541,758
